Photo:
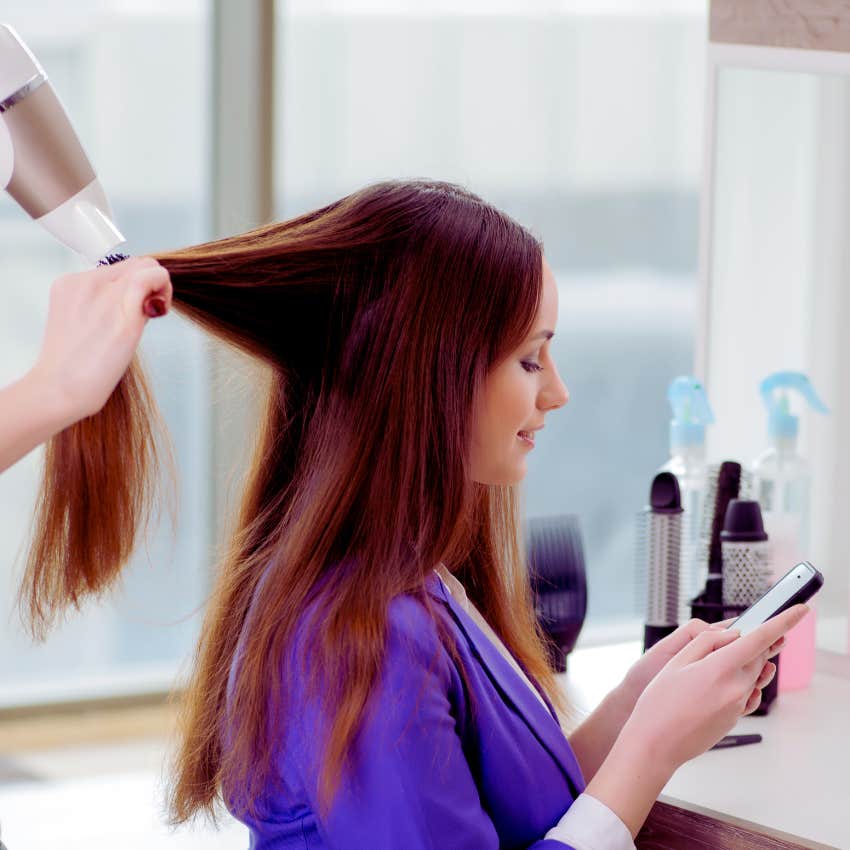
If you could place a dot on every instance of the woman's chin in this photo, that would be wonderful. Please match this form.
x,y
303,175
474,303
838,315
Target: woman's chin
x,y
506,476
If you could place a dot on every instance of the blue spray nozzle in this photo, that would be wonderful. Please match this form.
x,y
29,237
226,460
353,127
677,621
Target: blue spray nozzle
x,y
781,422
691,411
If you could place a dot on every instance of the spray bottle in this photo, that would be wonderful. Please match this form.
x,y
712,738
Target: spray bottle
x,y
691,413
781,482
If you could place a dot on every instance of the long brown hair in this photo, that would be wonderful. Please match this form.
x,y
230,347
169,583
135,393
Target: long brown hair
x,y
378,318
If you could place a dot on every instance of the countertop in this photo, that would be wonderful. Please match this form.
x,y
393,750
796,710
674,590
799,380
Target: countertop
x,y
797,780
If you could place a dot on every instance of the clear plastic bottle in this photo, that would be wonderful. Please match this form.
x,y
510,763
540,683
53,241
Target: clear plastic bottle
x,y
782,482
691,413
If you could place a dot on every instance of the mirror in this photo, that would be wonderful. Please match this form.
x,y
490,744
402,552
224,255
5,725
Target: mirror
x,y
777,289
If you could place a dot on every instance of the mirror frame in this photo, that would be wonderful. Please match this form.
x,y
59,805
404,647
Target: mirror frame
x,y
742,36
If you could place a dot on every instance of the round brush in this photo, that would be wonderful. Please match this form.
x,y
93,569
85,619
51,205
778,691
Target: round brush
x,y
663,524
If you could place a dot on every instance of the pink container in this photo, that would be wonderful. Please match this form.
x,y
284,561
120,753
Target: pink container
x,y
797,659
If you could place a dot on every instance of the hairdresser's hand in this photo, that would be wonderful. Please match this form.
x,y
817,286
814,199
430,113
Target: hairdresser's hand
x,y
650,664
94,323
705,687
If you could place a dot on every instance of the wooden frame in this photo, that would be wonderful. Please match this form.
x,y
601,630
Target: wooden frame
x,y
803,24
673,827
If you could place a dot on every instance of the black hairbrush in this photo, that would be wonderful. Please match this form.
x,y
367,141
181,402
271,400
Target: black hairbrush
x,y
721,491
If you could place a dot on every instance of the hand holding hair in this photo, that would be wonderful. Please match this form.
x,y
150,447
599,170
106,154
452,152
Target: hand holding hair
x,y
94,324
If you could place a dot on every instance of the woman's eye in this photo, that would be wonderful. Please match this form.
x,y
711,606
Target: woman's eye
x,y
531,366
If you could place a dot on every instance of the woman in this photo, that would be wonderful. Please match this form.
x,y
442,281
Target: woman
x,y
94,324
370,672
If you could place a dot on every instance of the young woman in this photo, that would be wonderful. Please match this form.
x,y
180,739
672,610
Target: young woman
x,y
94,324
370,674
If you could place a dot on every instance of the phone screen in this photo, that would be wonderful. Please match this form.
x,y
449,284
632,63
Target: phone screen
x,y
797,585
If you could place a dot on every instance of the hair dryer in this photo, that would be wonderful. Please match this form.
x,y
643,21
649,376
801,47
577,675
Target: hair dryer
x,y
42,163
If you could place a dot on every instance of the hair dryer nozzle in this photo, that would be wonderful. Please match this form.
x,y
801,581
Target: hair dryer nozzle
x,y
42,163
82,223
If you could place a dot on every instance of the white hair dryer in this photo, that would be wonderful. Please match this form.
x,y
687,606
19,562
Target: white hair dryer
x,y
42,163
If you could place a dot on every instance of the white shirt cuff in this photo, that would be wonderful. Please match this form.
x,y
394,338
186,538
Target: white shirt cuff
x,y
589,824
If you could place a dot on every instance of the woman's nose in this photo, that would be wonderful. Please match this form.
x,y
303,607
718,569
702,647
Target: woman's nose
x,y
557,395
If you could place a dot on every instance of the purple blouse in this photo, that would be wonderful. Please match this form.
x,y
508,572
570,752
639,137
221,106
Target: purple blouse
x,y
428,773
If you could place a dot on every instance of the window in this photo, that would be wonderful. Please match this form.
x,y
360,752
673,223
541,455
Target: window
x,y
141,117
583,121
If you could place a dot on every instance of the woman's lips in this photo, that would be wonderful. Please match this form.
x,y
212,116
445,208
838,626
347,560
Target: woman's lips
x,y
527,437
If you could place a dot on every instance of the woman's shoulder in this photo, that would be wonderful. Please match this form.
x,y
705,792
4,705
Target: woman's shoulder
x,y
413,622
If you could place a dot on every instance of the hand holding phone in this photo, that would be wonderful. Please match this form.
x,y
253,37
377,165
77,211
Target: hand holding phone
x,y
799,584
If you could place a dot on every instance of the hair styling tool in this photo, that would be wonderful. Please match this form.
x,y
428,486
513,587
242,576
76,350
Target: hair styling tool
x,y
723,486
42,163
661,543
746,562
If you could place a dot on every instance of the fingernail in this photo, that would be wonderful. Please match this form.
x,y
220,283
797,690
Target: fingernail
x,y
155,307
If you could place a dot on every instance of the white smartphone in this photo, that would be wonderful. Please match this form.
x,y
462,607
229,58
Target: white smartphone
x,y
799,584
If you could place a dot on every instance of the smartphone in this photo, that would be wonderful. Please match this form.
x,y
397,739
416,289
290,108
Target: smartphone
x,y
799,584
